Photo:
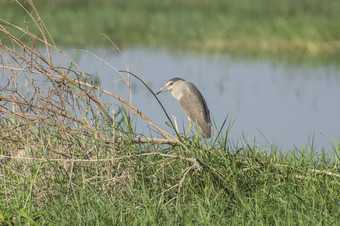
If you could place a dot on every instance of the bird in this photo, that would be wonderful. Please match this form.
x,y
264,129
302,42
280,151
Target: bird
x,y
192,102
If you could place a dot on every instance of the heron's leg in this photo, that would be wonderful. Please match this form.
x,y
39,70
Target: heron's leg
x,y
190,126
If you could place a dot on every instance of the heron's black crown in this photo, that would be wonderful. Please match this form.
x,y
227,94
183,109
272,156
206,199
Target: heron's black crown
x,y
175,80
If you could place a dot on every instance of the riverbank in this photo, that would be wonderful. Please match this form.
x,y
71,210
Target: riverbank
x,y
309,27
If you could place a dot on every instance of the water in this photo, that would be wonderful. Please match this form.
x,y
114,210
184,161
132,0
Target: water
x,y
271,103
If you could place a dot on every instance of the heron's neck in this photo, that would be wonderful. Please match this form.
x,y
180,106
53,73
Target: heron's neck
x,y
176,94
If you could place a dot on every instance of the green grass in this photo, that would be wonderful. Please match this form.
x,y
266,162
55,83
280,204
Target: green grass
x,y
129,187
307,26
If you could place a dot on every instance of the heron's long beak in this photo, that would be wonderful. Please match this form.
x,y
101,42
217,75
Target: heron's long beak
x,y
163,89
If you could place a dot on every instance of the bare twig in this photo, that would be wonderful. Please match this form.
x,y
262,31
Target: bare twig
x,y
192,160
36,64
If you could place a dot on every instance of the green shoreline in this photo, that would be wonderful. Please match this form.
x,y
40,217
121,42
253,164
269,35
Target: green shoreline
x,y
53,176
311,27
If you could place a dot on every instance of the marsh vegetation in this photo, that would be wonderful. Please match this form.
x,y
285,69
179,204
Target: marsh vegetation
x,y
67,157
310,27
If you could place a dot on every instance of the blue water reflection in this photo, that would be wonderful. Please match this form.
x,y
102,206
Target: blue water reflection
x,y
270,102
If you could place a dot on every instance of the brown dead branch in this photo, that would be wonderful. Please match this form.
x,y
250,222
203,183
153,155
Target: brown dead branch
x,y
20,155
316,171
172,141
23,60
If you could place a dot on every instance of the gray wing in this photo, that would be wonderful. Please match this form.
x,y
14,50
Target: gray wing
x,y
196,109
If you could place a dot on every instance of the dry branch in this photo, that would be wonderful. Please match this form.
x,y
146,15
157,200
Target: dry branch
x,y
22,60
21,156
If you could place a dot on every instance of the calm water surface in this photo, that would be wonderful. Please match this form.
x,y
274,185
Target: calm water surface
x,y
270,102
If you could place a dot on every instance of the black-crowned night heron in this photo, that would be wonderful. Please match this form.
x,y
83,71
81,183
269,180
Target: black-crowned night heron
x,y
192,102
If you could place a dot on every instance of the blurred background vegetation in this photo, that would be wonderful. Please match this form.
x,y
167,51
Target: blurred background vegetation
x,y
310,27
